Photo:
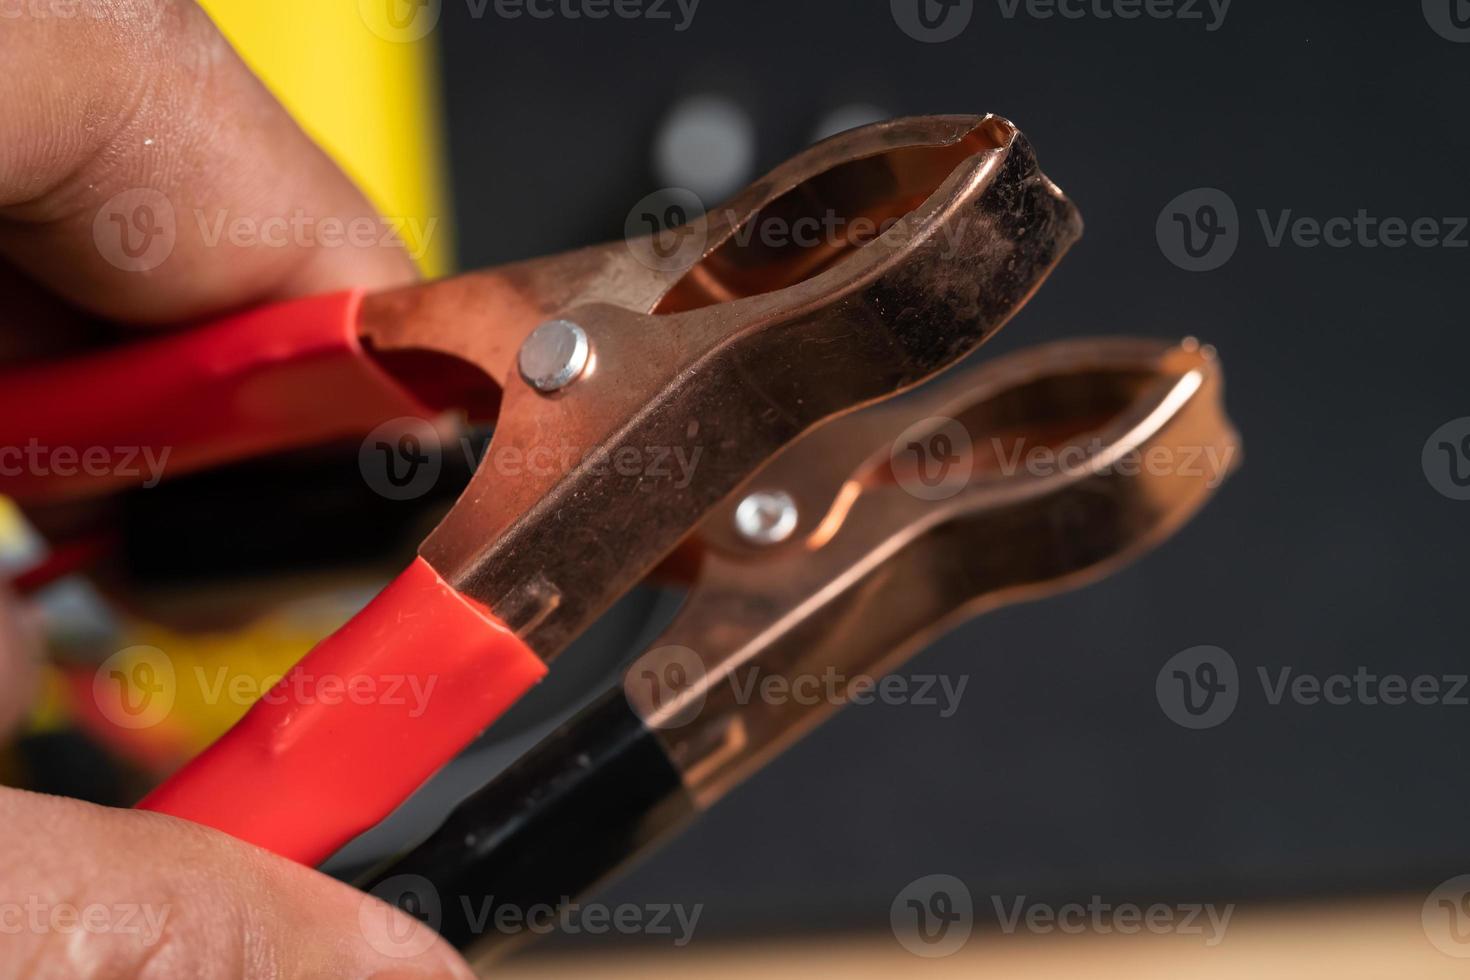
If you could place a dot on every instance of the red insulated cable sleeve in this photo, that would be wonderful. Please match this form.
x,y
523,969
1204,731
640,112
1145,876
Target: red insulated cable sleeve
x,y
359,724
279,377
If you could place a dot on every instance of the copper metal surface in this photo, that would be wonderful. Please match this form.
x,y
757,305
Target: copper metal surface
x,y
725,359
874,572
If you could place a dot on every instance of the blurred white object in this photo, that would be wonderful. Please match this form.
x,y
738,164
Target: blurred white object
x,y
845,117
707,144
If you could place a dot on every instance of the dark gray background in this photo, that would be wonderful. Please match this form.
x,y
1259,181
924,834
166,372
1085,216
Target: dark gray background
x,y
1060,777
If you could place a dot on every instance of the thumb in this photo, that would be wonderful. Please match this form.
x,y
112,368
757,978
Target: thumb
x,y
87,891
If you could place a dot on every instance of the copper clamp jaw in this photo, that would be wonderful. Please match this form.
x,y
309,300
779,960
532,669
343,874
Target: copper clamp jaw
x,y
725,352
1027,476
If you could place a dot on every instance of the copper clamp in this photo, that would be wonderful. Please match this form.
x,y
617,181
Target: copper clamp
x,y
730,350
1027,476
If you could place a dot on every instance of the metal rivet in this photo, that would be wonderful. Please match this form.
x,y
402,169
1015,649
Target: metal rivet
x,y
766,517
554,355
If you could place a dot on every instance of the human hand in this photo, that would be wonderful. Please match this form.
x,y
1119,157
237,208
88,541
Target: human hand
x,y
135,118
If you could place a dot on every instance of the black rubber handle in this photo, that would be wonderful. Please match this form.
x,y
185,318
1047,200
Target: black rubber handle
x,y
566,816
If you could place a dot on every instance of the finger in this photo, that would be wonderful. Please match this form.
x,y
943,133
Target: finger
x,y
18,662
93,892
148,176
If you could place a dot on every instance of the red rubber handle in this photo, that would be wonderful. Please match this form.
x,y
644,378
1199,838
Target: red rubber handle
x,y
313,765
279,377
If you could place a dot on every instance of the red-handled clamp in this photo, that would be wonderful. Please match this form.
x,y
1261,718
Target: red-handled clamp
x,y
275,378
855,271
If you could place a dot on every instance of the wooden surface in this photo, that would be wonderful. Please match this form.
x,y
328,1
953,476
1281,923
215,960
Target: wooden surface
x,y
1374,941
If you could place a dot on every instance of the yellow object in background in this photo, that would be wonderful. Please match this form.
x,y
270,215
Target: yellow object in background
x,y
12,529
166,694
371,101
214,678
